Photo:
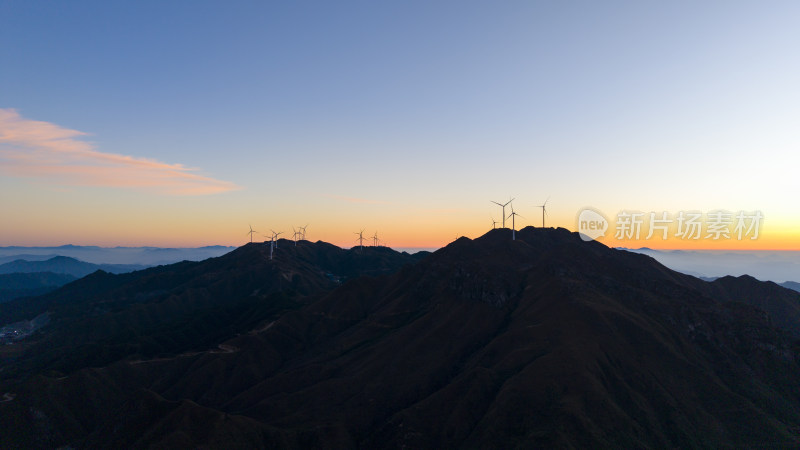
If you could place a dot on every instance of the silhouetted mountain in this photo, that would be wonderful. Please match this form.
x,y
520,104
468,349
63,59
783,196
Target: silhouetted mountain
x,y
65,265
780,303
546,341
190,305
16,285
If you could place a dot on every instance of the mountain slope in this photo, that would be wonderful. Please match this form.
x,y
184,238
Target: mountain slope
x,y
780,303
793,285
16,285
546,341
180,307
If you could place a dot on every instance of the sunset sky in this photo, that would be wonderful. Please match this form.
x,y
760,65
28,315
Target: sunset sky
x,y
182,123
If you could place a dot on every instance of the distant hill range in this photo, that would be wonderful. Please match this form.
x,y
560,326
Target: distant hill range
x,y
29,271
543,342
146,256
778,266
65,265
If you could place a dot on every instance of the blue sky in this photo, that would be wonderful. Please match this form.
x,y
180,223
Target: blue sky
x,y
406,117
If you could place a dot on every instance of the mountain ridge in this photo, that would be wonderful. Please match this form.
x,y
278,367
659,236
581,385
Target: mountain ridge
x,y
544,341
183,306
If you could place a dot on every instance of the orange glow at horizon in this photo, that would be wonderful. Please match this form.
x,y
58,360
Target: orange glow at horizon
x,y
202,221
400,237
771,236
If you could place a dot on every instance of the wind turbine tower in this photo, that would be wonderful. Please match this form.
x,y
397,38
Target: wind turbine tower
x,y
275,237
544,209
360,239
494,223
503,205
273,244
251,232
375,240
513,216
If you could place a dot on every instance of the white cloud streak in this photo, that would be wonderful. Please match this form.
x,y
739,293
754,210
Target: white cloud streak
x,y
30,148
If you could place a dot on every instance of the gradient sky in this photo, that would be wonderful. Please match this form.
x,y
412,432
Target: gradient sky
x,y
181,123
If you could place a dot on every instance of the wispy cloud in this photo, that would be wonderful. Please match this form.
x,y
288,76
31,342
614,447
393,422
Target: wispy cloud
x,y
32,148
355,200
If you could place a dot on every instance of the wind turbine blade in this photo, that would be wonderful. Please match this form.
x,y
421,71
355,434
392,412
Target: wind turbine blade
x,y
498,204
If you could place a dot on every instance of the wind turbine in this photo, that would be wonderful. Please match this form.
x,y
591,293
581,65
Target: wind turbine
x,y
303,232
275,237
513,216
544,209
273,244
294,236
251,232
360,239
375,240
504,209
494,223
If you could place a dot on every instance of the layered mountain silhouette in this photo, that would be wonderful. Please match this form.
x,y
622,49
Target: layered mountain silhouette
x,y
146,256
186,306
793,285
16,285
65,265
26,278
546,341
